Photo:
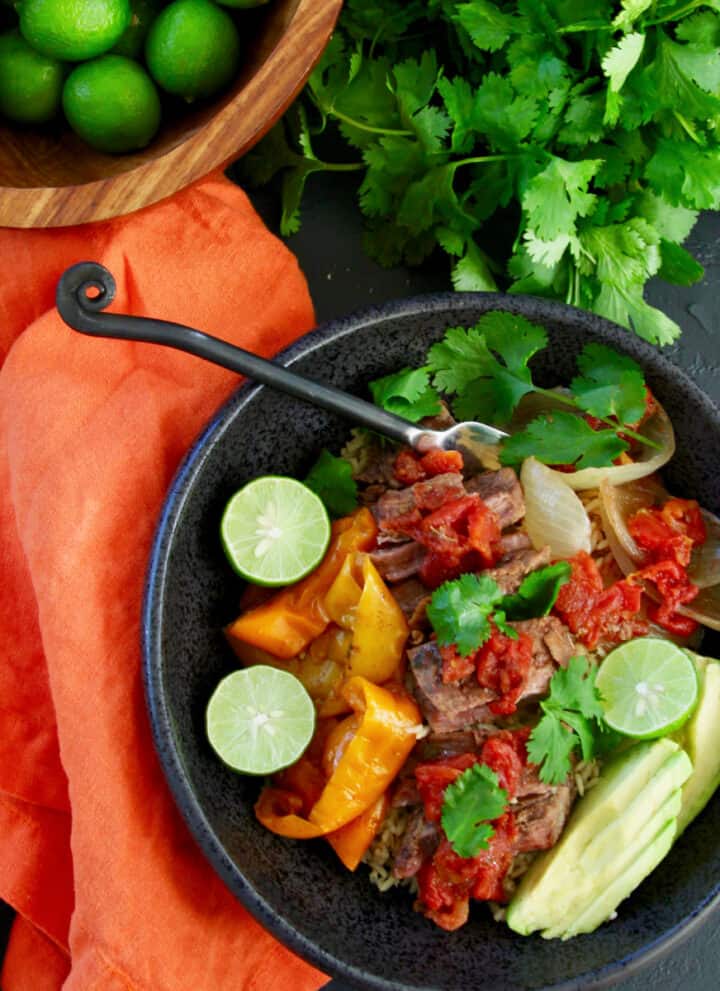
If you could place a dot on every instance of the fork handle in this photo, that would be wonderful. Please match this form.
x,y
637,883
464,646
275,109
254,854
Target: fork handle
x,y
83,312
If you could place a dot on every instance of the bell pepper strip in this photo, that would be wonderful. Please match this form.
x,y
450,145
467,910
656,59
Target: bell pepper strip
x,y
351,842
363,768
290,620
380,630
344,594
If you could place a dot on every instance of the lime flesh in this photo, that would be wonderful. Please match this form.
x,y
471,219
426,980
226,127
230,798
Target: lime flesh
x,y
275,530
260,720
649,688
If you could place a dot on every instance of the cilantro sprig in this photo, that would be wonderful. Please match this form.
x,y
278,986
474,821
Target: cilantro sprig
x,y
572,718
484,370
470,803
590,141
331,478
462,612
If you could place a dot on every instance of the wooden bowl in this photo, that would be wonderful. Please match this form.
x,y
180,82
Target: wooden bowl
x,y
53,179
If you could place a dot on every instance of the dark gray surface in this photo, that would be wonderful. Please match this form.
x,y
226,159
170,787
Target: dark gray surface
x,y
342,279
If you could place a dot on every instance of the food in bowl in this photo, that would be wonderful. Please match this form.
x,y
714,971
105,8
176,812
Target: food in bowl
x,y
110,66
507,709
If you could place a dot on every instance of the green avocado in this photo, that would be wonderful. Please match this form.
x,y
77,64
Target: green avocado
x,y
701,738
627,821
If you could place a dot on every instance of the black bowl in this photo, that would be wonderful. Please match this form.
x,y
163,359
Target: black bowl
x,y
299,890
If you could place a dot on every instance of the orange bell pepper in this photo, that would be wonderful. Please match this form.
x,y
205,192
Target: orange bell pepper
x,y
360,764
290,620
380,630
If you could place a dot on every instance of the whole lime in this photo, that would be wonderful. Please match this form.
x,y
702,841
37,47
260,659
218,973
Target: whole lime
x,y
30,83
112,103
193,49
73,30
142,14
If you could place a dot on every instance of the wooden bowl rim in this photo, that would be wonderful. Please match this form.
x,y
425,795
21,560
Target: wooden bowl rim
x,y
17,203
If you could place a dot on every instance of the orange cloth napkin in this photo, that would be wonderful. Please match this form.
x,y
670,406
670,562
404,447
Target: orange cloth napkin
x,y
112,893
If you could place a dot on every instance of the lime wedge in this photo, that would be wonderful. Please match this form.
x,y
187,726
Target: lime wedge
x,y
275,530
649,688
260,719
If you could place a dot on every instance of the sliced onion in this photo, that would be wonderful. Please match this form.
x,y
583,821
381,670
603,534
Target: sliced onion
x,y
618,503
647,460
554,515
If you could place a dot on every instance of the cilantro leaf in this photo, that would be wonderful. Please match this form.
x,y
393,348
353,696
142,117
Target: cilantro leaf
x,y
549,746
459,611
331,479
407,393
537,593
572,717
470,803
467,362
611,384
678,265
563,438
558,196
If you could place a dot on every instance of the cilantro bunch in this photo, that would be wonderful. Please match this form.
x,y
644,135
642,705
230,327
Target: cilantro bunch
x,y
545,146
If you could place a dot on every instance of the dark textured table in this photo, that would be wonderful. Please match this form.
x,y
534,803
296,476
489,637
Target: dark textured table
x,y
343,280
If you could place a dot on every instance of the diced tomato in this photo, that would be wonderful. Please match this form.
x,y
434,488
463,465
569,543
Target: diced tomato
x,y
407,467
670,532
675,589
434,776
506,754
405,523
579,594
503,665
462,535
440,900
454,666
492,865
484,533
437,462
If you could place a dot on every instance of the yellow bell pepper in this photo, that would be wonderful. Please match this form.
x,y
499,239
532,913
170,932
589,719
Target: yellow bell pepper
x,y
290,620
362,755
351,842
380,630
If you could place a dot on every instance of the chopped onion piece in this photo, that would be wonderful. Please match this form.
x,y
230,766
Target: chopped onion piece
x,y
647,460
704,569
554,515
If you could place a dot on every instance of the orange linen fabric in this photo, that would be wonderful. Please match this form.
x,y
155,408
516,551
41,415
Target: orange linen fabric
x,y
111,890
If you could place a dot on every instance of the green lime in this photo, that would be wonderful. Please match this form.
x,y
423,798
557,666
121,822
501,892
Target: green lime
x,y
142,14
275,530
30,83
649,687
260,719
112,104
73,29
193,49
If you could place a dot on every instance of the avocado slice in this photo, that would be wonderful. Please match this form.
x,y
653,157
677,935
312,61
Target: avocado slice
x,y
701,739
609,828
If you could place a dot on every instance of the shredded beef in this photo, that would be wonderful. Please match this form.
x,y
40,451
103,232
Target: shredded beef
x,y
397,562
446,707
513,567
501,492
420,841
412,597
553,639
514,541
540,819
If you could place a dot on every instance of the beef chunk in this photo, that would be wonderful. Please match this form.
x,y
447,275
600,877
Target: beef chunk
x,y
446,707
441,421
515,541
412,597
419,842
511,569
555,642
501,492
396,562
378,468
451,744
540,819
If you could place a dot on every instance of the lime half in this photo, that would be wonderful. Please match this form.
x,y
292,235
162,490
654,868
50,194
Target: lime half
x,y
275,531
260,719
649,687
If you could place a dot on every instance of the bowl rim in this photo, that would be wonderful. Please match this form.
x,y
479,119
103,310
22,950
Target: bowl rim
x,y
157,704
201,152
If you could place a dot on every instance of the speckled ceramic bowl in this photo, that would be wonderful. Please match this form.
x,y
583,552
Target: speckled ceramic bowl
x,y
298,890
